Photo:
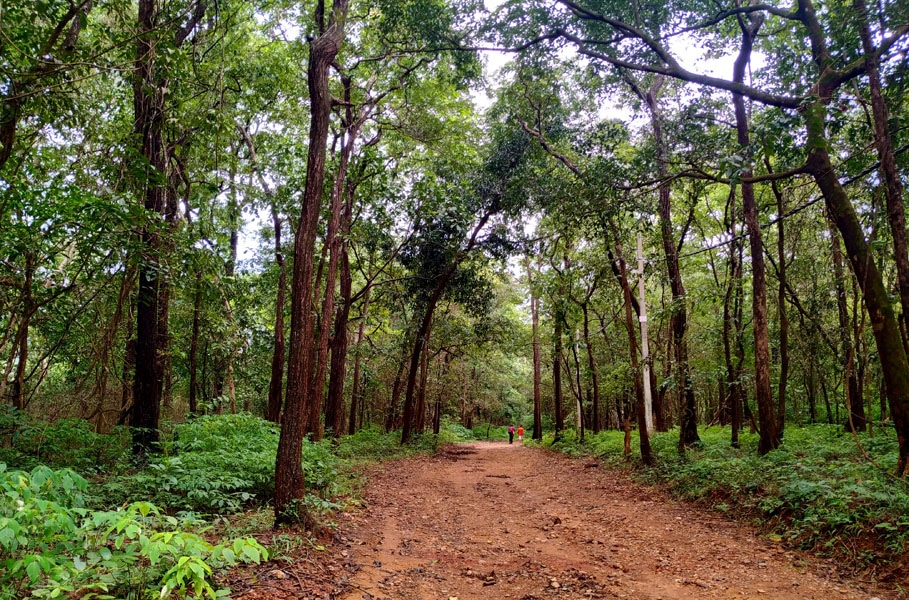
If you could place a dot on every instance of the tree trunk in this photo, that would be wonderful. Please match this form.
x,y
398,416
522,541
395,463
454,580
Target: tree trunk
x,y
21,392
420,411
421,342
557,373
769,436
224,371
194,346
688,426
317,386
732,326
537,363
659,405
594,375
149,89
422,334
334,403
893,185
781,301
884,325
276,380
579,396
289,481
341,216
355,385
391,418
847,351
646,454
148,104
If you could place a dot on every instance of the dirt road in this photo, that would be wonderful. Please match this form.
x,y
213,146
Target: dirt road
x,y
503,521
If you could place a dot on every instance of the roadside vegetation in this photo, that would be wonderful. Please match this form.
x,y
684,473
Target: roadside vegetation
x,y
818,491
80,517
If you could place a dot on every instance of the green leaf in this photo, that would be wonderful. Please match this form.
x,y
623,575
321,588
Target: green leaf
x,y
33,570
251,553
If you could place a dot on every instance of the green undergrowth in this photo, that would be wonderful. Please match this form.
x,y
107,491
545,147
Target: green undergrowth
x,y
374,444
487,432
53,546
816,492
215,464
81,518
28,442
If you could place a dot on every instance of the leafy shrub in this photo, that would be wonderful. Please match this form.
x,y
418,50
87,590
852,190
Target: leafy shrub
x,y
373,443
370,442
451,432
52,546
63,443
219,464
487,431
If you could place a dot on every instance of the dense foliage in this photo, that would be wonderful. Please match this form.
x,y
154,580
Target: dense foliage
x,y
54,546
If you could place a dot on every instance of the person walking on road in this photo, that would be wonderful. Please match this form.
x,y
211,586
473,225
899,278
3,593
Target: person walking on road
x,y
521,433
510,434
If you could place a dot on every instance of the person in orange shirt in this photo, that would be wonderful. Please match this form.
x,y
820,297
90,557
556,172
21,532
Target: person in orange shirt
x,y
520,433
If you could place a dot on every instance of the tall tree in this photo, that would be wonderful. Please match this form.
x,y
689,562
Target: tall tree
x,y
289,479
150,87
770,436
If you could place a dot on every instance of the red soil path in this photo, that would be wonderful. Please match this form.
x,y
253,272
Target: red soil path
x,y
493,520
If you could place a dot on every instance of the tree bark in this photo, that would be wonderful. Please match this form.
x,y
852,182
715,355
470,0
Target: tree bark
x,y
194,346
21,392
579,393
781,302
339,222
732,325
557,373
391,418
594,375
150,83
688,426
355,385
420,409
893,185
148,106
847,351
276,380
659,407
334,402
537,363
289,481
769,436
646,453
884,324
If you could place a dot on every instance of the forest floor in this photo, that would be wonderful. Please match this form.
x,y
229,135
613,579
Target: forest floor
x,y
493,519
